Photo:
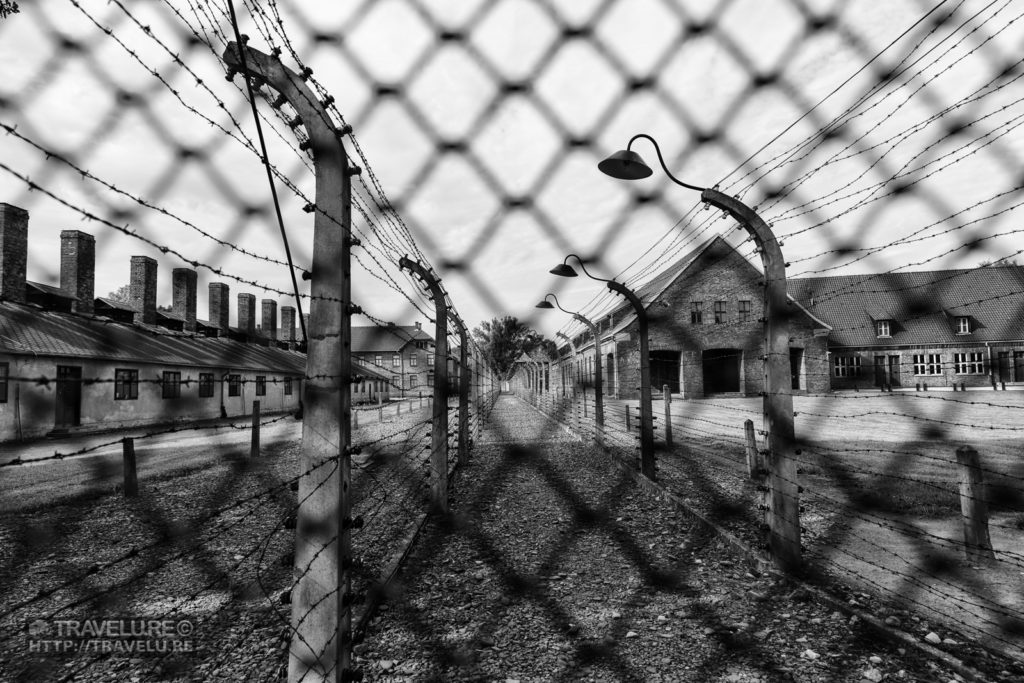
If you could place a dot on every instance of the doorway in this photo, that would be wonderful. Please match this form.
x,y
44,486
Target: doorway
x,y
665,370
796,364
721,370
68,411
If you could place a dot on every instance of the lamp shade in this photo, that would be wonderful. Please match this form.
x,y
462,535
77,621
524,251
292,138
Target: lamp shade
x,y
545,304
563,270
625,165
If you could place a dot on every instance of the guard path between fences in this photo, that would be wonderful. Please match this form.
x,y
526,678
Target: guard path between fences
x,y
554,565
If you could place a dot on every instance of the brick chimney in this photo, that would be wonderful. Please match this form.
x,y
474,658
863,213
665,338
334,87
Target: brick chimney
x,y
142,289
13,252
78,268
220,306
268,319
247,314
183,296
288,325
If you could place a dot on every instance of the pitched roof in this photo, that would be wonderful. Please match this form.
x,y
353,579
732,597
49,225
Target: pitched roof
x,y
922,305
50,289
26,329
372,338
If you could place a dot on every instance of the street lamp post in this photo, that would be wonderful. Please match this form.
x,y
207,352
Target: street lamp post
x,y
646,415
778,397
598,398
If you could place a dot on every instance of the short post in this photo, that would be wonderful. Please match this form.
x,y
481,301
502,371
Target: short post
x,y
398,408
131,480
355,419
973,508
380,407
667,397
628,425
584,401
421,399
758,472
254,445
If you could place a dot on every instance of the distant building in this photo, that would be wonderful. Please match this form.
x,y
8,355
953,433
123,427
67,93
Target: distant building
x,y
402,353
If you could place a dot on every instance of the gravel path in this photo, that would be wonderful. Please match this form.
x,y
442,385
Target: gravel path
x,y
555,566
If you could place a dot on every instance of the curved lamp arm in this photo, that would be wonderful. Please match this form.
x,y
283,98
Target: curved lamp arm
x,y
584,267
657,149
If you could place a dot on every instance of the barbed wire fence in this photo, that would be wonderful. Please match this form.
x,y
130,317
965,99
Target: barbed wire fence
x,y
852,523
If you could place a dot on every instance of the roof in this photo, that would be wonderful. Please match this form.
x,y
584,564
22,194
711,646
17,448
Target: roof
x,y
922,306
50,289
26,329
373,338
115,304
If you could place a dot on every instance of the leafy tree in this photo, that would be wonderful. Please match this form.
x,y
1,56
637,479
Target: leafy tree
x,y
504,339
122,294
8,7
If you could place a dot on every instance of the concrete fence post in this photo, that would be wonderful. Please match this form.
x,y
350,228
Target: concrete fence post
x,y
131,480
973,506
667,397
254,444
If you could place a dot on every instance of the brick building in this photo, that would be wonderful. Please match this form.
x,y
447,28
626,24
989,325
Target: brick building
x,y
71,362
963,327
404,354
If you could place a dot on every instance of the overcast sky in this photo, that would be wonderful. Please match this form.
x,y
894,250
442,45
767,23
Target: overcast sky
x,y
484,175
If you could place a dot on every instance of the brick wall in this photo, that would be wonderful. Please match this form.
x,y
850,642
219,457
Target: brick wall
x,y
13,252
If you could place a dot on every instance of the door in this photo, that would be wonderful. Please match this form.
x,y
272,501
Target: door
x,y
68,410
894,371
1018,366
879,371
721,370
796,362
665,370
1004,366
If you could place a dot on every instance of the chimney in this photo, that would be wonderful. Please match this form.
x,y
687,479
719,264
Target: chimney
x,y
247,314
269,319
220,306
183,296
78,268
142,289
419,325
13,252
288,325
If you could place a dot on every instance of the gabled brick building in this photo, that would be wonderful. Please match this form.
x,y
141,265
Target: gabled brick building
x,y
940,328
402,353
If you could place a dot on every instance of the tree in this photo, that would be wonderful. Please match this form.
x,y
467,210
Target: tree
x,y
122,294
504,339
8,7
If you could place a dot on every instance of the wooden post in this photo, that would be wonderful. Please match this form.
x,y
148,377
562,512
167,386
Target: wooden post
x,y
753,457
131,480
355,419
321,597
758,473
254,445
973,508
667,398
439,424
380,407
17,409
629,426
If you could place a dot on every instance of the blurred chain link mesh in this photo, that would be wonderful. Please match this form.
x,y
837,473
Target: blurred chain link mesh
x,y
882,136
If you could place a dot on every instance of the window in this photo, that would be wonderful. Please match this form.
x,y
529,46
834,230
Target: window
x,y
882,328
927,364
719,311
847,366
430,378
234,385
744,310
413,359
696,312
378,360
172,384
963,325
396,361
205,385
969,363
126,385
430,360
261,385
4,371
287,386
414,381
